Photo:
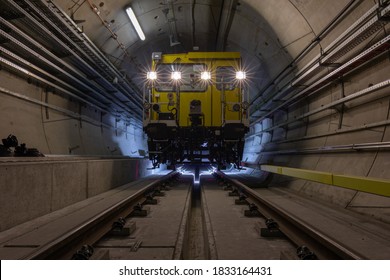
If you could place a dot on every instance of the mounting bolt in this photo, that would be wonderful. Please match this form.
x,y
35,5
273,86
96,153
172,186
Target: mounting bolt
x,y
242,200
253,211
85,252
304,253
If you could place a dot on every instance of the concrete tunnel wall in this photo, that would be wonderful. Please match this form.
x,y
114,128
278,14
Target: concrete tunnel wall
x,y
310,132
34,187
31,189
374,163
54,132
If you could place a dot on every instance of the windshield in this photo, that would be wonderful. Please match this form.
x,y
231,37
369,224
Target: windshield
x,y
190,77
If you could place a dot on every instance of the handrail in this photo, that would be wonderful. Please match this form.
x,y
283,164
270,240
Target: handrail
x,y
351,65
378,186
328,106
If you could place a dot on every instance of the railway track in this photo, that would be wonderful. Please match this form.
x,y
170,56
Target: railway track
x,y
65,235
173,217
317,231
158,232
194,221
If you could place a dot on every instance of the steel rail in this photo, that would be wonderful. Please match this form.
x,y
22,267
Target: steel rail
x,y
297,230
375,50
72,114
342,43
329,149
61,23
92,230
76,52
52,60
48,58
58,83
66,20
338,131
314,42
337,48
330,105
69,113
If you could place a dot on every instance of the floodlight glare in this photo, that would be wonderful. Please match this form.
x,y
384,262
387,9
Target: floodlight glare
x,y
151,75
205,75
135,23
176,75
240,75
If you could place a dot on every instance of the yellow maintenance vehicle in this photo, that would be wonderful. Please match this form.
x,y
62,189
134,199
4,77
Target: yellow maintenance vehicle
x,y
196,108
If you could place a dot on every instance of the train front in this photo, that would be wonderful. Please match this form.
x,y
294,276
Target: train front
x,y
196,108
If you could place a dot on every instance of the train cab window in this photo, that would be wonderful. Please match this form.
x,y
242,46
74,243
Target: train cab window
x,y
225,78
190,77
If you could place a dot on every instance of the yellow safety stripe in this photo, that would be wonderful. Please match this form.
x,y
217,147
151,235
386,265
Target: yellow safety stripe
x,y
364,184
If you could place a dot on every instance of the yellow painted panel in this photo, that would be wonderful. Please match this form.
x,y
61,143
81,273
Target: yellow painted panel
x,y
187,57
185,100
211,97
216,111
316,176
364,184
272,168
213,55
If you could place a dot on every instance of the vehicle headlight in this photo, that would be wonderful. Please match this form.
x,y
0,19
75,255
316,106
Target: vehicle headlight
x,y
176,75
151,75
205,76
240,75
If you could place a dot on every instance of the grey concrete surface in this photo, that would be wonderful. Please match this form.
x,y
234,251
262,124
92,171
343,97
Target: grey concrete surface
x,y
31,188
51,226
158,232
235,235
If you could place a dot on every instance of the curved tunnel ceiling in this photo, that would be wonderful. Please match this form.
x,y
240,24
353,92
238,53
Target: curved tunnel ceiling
x,y
285,45
269,34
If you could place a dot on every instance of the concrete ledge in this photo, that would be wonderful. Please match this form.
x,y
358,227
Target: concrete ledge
x,y
34,187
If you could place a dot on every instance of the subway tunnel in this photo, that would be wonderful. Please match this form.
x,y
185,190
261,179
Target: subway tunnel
x,y
72,82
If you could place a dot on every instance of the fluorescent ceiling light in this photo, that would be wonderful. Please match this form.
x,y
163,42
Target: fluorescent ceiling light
x,y
135,23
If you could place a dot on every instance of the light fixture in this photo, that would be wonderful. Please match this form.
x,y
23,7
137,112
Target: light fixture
x,y
205,75
151,75
156,55
236,107
245,105
147,105
156,107
240,75
135,23
176,75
